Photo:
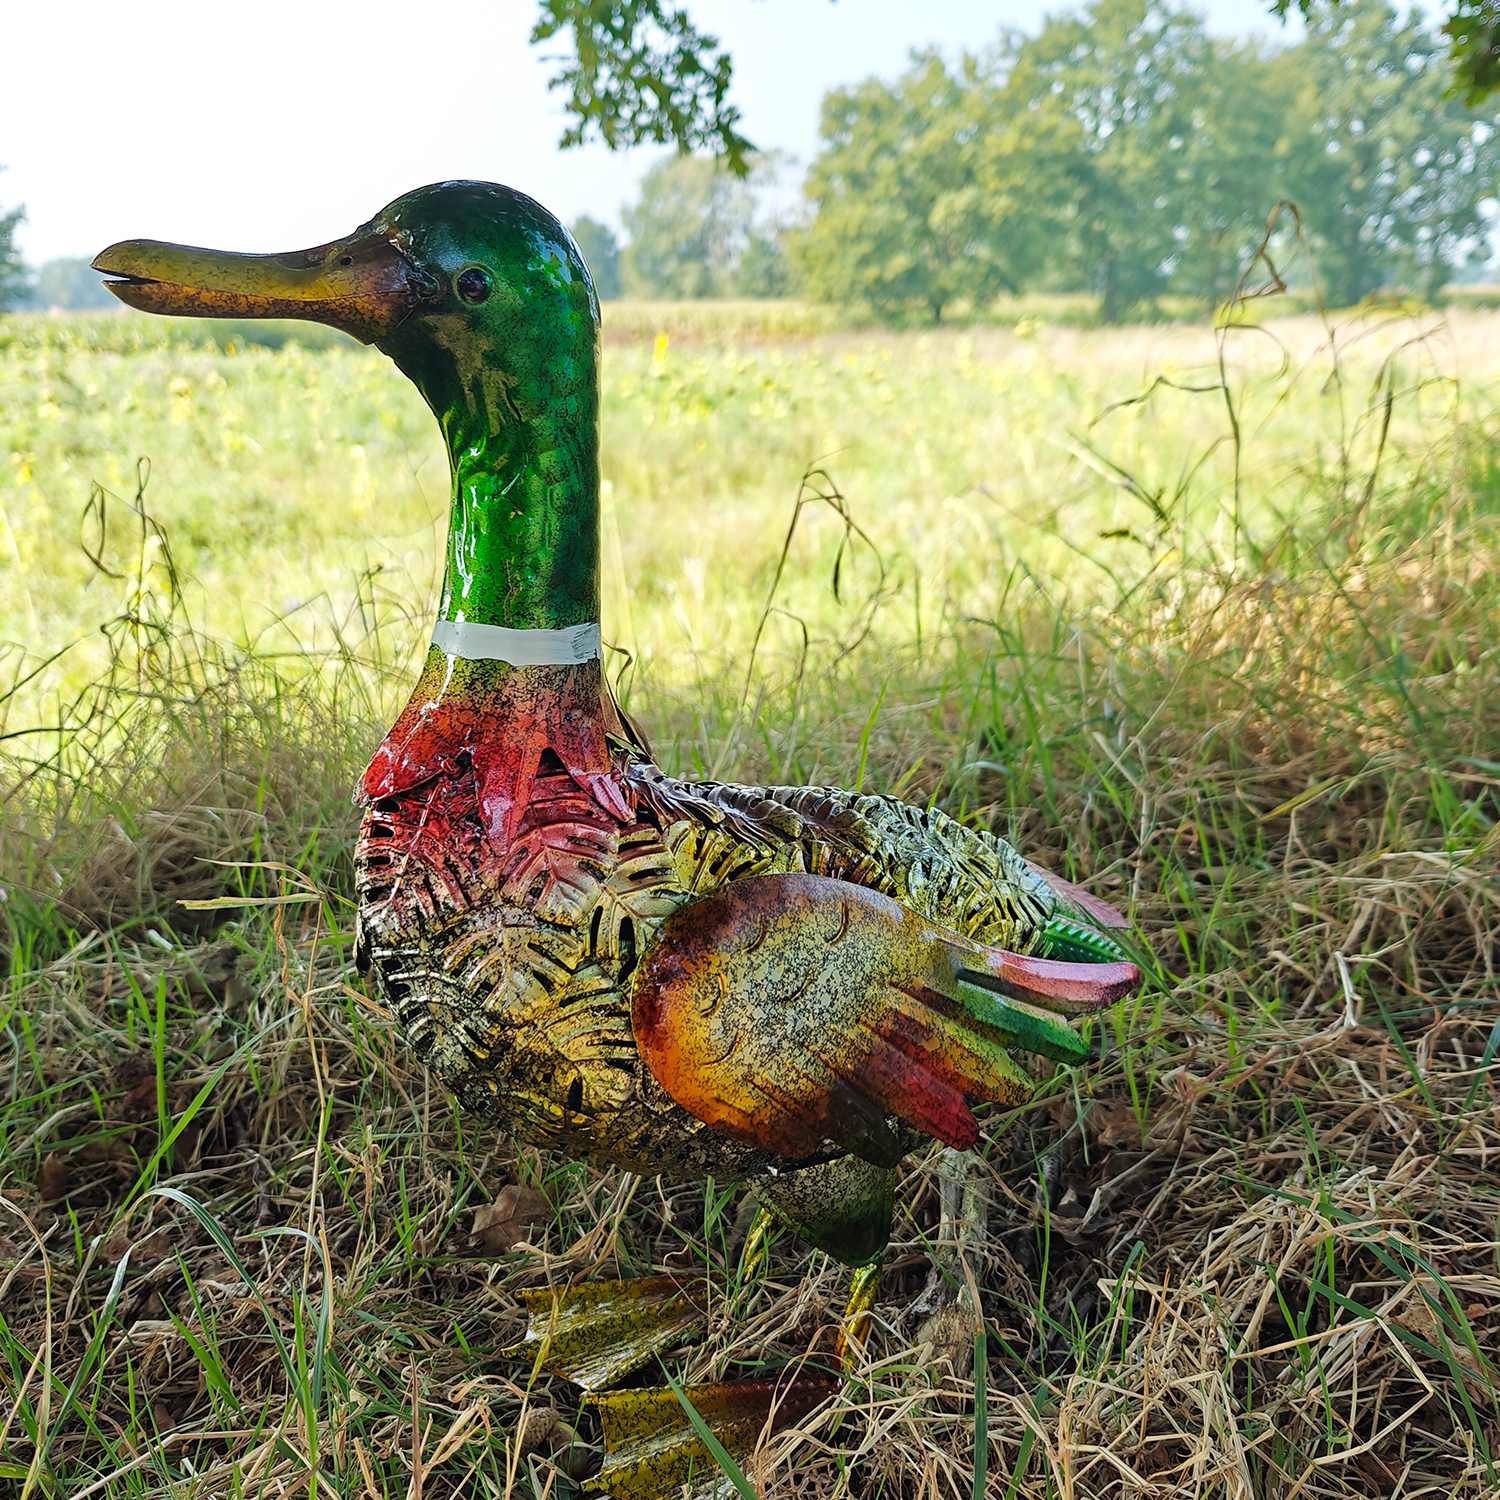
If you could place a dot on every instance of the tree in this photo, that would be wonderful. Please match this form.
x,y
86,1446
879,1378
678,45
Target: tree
x,y
1473,32
13,278
1390,171
763,270
696,228
1472,29
930,190
1234,162
640,71
1116,151
1124,151
601,252
70,282
1129,73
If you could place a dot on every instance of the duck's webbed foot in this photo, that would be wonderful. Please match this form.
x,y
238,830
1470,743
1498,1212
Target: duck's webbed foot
x,y
653,1446
598,1333
652,1443
658,1439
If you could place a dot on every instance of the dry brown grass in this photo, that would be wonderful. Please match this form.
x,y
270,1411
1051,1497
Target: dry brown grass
x,y
1253,1252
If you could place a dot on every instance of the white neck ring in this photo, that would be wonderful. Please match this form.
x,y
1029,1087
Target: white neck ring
x,y
521,648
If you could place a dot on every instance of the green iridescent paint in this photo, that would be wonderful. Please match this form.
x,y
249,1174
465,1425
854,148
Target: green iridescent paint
x,y
484,301
507,356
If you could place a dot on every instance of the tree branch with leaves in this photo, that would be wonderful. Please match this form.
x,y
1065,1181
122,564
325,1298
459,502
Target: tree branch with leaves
x,y
641,72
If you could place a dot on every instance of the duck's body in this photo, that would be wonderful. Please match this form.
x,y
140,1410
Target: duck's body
x,y
787,985
509,965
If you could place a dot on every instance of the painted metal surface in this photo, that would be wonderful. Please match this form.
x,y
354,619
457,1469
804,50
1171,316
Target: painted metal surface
x,y
790,1010
595,1335
362,284
651,1448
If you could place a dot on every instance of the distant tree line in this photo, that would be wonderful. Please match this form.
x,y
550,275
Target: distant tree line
x,y
642,70
1121,151
13,279
68,282
1126,152
696,230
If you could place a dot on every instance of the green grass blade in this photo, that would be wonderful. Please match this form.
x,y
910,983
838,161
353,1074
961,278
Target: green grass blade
x,y
981,1413
706,1436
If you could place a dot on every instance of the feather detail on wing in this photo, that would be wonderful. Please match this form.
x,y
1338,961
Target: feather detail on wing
x,y
966,880
793,1010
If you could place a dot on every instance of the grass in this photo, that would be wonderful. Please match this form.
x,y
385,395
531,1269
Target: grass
x,y
1253,1251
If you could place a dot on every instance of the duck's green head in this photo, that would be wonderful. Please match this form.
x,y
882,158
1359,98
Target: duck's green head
x,y
477,292
482,298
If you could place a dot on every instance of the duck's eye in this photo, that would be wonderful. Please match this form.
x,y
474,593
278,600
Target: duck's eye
x,y
473,284
346,260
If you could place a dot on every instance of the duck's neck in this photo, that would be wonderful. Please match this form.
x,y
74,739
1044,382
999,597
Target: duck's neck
x,y
521,425
521,576
514,668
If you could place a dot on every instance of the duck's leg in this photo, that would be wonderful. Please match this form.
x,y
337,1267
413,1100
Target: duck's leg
x,y
854,1326
946,1304
756,1251
597,1333
651,1443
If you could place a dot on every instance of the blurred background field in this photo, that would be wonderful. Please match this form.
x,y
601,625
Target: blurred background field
x,y
303,488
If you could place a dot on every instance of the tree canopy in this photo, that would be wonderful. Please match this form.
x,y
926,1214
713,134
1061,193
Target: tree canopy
x,y
697,230
69,282
924,193
640,71
14,283
601,252
1131,76
1391,171
1125,151
1472,29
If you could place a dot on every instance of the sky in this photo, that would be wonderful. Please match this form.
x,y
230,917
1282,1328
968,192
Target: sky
x,y
276,125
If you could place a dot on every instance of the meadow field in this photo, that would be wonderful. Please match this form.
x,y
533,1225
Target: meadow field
x,y
1207,618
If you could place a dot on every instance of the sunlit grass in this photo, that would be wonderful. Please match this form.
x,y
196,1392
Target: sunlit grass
x,y
1251,1251
284,477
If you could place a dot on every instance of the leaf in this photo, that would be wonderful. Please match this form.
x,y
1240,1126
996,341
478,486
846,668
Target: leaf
x,y
508,1221
53,1179
1115,1124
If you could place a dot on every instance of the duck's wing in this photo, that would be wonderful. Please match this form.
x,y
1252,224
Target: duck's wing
x,y
966,879
795,1010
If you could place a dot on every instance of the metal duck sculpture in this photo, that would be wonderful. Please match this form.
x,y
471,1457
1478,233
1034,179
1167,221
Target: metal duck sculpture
x,y
785,986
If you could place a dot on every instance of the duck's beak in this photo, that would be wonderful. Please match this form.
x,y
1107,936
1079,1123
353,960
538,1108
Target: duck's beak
x,y
362,284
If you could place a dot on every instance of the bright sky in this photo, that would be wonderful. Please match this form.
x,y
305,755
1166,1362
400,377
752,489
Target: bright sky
x,y
274,125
